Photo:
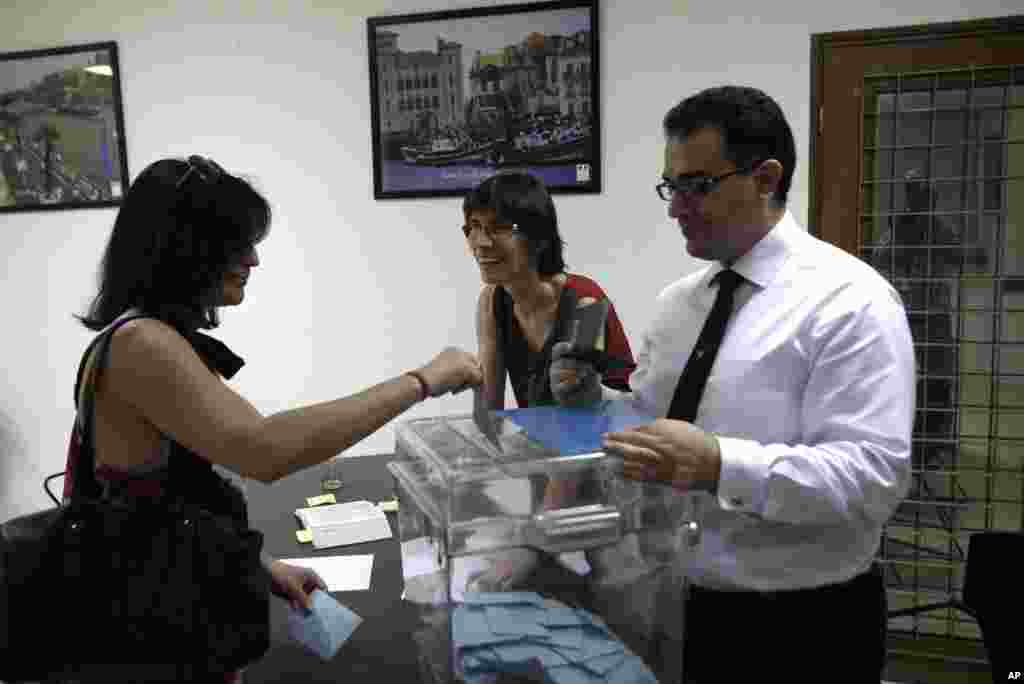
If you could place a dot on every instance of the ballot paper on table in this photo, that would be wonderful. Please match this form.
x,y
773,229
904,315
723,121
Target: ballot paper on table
x,y
353,522
324,628
340,573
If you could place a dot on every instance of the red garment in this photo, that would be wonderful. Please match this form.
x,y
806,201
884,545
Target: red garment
x,y
615,340
149,484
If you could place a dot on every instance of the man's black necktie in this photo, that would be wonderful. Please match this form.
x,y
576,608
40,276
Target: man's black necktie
x,y
695,376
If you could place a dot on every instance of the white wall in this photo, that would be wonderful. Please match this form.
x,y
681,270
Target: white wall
x,y
352,291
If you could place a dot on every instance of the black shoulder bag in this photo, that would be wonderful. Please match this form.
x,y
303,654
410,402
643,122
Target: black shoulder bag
x,y
141,590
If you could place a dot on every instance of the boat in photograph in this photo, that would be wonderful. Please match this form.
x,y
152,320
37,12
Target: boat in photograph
x,y
442,151
545,145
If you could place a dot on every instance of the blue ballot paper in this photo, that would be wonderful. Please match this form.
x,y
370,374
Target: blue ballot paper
x,y
629,670
325,628
493,598
512,619
525,634
572,431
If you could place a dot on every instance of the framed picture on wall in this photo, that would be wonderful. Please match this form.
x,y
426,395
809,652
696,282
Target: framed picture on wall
x,y
62,140
457,96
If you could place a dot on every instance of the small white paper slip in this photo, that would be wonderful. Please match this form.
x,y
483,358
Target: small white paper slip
x,y
341,573
333,514
354,532
353,522
325,628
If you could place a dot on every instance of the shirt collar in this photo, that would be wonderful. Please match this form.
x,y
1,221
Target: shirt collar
x,y
763,262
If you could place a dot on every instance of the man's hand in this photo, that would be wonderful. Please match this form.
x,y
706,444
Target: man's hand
x,y
294,584
668,451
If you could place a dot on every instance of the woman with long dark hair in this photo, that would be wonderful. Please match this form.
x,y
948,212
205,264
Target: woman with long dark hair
x,y
183,245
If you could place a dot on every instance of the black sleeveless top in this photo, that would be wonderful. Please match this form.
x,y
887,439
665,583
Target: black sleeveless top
x,y
186,475
527,369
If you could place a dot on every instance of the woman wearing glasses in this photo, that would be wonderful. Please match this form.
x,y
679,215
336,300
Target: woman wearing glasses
x,y
525,315
528,300
184,245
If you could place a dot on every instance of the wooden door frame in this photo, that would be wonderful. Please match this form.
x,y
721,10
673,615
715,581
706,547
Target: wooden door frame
x,y
821,46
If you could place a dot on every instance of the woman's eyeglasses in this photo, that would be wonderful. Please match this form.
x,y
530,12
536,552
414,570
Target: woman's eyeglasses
x,y
697,186
205,169
492,231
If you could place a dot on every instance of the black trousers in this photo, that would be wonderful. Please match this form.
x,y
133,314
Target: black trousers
x,y
813,635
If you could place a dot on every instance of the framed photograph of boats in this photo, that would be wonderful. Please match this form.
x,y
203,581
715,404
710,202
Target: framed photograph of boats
x,y
62,142
457,96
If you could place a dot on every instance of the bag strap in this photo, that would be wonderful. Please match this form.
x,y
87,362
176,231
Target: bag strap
x,y
85,484
81,367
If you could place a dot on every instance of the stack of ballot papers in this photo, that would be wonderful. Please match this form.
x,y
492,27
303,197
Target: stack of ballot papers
x,y
324,628
541,639
353,522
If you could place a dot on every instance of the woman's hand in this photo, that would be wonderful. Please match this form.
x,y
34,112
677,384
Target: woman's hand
x,y
453,370
573,383
294,584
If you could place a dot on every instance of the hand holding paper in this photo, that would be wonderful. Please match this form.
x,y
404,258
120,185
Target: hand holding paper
x,y
325,628
294,583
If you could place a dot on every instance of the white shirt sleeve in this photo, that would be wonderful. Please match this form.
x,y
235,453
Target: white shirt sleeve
x,y
857,415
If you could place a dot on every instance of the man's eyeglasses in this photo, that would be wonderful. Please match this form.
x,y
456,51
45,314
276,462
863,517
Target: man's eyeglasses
x,y
492,231
697,186
206,169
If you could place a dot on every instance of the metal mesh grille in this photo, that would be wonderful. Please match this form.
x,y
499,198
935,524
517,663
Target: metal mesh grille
x,y
942,216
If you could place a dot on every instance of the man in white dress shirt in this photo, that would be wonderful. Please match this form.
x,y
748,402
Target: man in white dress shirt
x,y
801,441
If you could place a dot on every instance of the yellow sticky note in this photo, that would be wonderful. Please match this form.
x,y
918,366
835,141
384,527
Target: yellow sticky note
x,y
320,500
304,536
388,506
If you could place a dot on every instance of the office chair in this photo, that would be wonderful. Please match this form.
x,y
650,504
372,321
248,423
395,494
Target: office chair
x,y
994,591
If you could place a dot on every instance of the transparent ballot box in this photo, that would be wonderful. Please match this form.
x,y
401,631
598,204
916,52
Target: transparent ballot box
x,y
527,557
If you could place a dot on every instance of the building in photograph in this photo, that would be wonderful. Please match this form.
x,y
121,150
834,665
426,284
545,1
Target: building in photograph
x,y
541,75
421,92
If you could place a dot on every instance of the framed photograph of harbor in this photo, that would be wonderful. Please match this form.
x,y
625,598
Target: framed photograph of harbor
x,y
62,140
457,96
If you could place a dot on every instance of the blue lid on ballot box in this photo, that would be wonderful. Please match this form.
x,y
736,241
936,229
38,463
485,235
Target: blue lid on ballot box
x,y
572,431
